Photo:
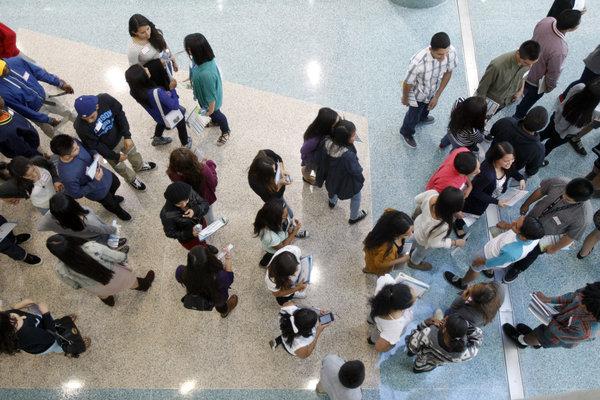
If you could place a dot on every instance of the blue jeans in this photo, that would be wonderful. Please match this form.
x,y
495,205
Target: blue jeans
x,y
413,116
530,97
586,77
290,212
9,246
220,119
55,348
354,204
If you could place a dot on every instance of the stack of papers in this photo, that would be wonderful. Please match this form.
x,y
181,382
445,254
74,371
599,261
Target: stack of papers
x,y
416,285
197,121
212,229
305,269
512,196
542,311
492,107
551,240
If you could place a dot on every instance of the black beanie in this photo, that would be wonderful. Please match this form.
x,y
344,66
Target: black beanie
x,y
177,191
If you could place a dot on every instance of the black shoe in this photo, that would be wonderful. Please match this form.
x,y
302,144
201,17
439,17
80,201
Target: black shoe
x,y
266,259
145,283
454,280
109,301
370,341
545,163
579,256
510,275
361,215
526,330
596,150
124,249
124,215
213,249
149,165
331,205
410,141
513,334
578,147
32,260
22,238
455,229
138,185
119,199
489,273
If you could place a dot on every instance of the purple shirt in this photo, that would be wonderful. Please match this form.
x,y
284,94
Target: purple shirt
x,y
554,51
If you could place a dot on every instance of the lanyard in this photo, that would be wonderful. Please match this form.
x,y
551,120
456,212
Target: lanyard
x,y
551,206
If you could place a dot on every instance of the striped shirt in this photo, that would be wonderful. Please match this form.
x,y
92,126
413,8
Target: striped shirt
x,y
425,73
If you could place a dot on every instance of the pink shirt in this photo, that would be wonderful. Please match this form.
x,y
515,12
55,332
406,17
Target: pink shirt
x,y
446,175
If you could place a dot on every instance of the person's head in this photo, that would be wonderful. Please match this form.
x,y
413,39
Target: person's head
x,y
87,108
591,299
24,173
466,163
4,70
200,275
352,374
578,190
281,267
450,201
568,20
198,48
178,194
68,212
484,297
528,53
68,250
468,115
530,228
579,108
501,154
185,163
392,226
271,215
300,323
536,119
138,79
143,29
65,147
439,46
455,330
323,125
263,169
344,133
390,298
9,341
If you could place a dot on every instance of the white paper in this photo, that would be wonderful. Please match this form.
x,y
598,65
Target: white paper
x,y
91,170
417,286
278,174
550,240
6,228
469,218
579,5
492,107
512,196
211,229
542,85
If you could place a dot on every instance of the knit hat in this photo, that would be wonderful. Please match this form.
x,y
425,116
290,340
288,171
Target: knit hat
x,y
86,105
178,191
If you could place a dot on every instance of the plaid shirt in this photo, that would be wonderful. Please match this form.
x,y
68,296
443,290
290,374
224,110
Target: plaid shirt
x,y
573,324
425,73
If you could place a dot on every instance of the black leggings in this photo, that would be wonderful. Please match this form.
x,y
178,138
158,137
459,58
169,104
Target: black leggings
x,y
554,140
109,201
181,130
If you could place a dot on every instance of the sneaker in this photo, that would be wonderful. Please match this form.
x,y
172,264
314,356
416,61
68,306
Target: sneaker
x,y
189,143
454,280
159,141
438,314
22,238
428,120
231,303
525,330
510,275
361,215
301,294
545,163
423,266
513,334
302,234
124,215
32,260
410,141
122,242
578,147
331,205
148,165
138,185
119,199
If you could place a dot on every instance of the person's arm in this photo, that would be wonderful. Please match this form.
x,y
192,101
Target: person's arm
x,y
480,183
564,241
106,253
210,174
121,123
91,142
445,79
519,92
291,236
306,351
553,69
467,190
533,197
286,292
173,60
353,167
169,100
382,261
489,77
198,204
30,113
170,227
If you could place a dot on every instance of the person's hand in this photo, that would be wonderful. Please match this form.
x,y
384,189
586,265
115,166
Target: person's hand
x,y
173,84
552,249
297,223
460,242
54,122
433,321
66,87
12,201
524,209
301,286
517,96
175,66
122,157
284,178
58,186
503,225
227,252
459,215
479,262
542,297
522,184
404,258
99,174
188,214
467,191
98,157
405,100
43,308
501,203
432,104
128,143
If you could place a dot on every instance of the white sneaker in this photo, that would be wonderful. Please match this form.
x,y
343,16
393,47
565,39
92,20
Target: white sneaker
x,y
301,294
138,185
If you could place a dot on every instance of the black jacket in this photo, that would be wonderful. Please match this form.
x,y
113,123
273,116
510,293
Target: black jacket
x,y
178,227
529,151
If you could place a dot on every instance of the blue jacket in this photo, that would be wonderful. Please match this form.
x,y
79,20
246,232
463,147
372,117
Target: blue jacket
x,y
169,100
338,166
21,90
17,136
77,183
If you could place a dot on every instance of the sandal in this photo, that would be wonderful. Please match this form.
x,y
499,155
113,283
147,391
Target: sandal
x,y
223,138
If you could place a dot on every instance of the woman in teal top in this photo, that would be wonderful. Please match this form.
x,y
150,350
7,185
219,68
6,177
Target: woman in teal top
x,y
206,81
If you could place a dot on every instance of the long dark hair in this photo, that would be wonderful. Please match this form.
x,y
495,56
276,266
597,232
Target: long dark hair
x,y
322,125
305,320
457,328
497,151
389,226
261,169
68,250
282,266
269,216
343,132
198,46
18,168
68,212
184,162
468,115
449,202
579,109
391,298
156,37
139,84
201,274
9,341
485,299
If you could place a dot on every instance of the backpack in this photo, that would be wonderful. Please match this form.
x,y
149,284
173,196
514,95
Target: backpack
x,y
198,303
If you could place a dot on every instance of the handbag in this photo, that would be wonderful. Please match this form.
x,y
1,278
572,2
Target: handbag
x,y
198,303
172,118
68,337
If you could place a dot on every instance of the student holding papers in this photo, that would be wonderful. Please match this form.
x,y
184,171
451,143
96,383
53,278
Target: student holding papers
x,y
467,124
286,277
479,303
578,320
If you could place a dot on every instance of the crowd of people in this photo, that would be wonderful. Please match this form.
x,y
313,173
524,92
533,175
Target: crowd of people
x,y
90,254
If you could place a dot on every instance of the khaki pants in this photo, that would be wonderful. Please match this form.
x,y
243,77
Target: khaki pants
x,y
54,106
133,157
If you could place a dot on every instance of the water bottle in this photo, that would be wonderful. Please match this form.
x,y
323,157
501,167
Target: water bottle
x,y
113,240
166,56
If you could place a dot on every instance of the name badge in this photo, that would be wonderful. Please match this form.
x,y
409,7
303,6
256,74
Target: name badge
x,y
98,126
26,76
45,177
556,220
145,49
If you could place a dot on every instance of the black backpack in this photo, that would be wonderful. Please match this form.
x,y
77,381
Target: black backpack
x,y
196,302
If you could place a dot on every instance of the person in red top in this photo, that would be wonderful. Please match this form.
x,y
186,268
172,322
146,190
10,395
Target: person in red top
x,y
455,171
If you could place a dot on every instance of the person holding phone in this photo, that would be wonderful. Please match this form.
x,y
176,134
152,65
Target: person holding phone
x,y
285,277
268,178
300,329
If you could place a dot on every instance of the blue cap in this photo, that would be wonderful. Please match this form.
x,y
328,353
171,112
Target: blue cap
x,y
86,105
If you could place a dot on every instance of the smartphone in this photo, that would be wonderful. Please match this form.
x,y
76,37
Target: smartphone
x,y
325,319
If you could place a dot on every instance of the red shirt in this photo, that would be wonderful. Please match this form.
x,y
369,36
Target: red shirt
x,y
8,42
446,175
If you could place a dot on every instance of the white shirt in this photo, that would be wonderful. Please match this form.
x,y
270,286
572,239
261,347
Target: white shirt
x,y
299,341
43,189
424,224
295,250
425,73
331,383
391,330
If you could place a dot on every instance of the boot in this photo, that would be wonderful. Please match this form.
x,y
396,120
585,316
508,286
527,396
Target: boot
x,y
231,303
145,283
